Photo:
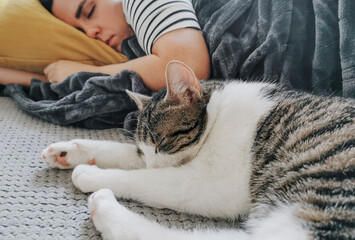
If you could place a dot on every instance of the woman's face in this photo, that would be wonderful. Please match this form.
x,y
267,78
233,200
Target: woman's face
x,y
98,19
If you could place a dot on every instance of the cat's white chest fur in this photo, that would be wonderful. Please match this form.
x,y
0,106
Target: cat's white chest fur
x,y
225,153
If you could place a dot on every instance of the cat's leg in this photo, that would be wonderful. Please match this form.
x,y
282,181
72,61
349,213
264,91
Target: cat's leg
x,y
114,221
105,154
182,189
278,223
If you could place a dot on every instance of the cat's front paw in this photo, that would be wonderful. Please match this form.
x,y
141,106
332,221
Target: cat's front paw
x,y
112,219
89,178
65,155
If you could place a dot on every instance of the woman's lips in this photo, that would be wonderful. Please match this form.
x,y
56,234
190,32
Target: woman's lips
x,y
110,42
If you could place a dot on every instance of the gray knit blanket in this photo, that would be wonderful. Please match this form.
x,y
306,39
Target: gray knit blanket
x,y
40,203
88,100
300,44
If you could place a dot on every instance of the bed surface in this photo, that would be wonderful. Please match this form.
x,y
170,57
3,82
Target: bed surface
x,y
37,202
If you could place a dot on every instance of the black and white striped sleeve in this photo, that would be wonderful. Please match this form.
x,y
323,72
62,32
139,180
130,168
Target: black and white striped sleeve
x,y
150,19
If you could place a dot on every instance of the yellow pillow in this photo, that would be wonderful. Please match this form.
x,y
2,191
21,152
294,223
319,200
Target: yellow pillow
x,y
31,38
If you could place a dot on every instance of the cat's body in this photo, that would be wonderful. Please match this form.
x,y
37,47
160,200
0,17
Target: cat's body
x,y
286,160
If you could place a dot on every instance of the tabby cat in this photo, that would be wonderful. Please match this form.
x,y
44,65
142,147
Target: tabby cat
x,y
283,159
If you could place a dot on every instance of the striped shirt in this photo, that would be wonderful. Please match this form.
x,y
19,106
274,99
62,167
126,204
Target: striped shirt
x,y
150,19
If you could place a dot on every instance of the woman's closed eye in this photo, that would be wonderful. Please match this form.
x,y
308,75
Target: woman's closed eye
x,y
89,8
91,12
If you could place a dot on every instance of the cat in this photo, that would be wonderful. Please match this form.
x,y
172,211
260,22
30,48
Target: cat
x,y
284,159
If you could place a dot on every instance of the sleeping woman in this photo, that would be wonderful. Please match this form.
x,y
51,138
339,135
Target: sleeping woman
x,y
166,30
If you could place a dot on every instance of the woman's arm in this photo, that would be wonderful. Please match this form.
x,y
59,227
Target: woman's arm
x,y
8,76
186,45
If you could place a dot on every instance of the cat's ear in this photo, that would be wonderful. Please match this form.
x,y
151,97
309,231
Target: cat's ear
x,y
139,99
182,84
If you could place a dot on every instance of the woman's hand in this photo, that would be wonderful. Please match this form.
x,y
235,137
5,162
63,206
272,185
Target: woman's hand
x,y
59,71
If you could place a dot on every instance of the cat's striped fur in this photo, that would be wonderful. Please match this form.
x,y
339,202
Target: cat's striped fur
x,y
303,153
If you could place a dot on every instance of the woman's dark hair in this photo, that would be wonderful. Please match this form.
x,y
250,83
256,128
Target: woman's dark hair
x,y
47,4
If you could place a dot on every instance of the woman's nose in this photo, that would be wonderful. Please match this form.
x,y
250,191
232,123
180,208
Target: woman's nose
x,y
92,32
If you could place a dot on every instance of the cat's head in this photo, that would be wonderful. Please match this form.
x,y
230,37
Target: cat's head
x,y
171,123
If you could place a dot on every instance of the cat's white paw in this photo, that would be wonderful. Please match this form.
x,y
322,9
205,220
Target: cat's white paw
x,y
112,219
65,155
88,178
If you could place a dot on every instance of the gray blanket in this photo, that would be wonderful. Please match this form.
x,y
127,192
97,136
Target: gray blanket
x,y
88,100
301,44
